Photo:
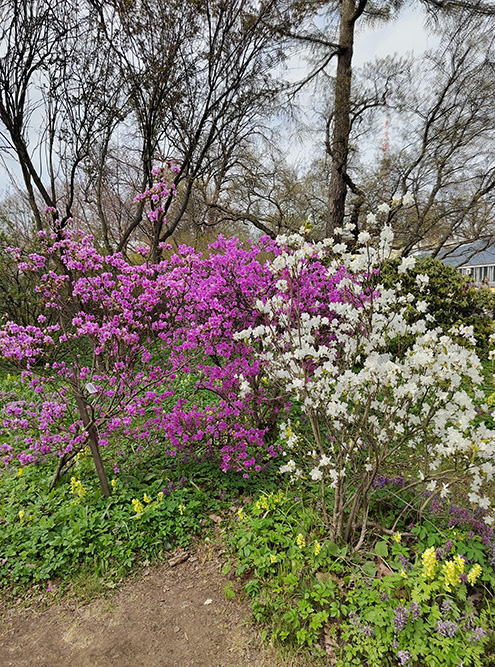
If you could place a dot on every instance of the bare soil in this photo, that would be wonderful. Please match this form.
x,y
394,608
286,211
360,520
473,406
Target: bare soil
x,y
158,619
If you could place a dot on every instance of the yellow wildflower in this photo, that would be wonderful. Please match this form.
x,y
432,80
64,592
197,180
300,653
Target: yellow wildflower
x,y
451,574
430,563
138,507
113,483
474,573
262,503
160,496
240,514
76,487
21,515
273,558
397,537
317,548
182,508
146,498
403,573
19,473
300,541
459,562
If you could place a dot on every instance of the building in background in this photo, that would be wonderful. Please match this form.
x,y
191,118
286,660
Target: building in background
x,y
476,260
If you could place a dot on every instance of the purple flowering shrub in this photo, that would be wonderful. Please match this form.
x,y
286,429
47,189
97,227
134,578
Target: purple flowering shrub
x,y
108,358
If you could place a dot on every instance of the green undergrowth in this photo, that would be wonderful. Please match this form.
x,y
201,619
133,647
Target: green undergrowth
x,y
72,537
420,597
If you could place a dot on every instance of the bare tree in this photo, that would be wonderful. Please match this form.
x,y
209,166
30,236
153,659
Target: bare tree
x,y
198,89
119,86
444,143
265,193
335,42
31,32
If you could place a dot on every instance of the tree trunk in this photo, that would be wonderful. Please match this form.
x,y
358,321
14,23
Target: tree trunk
x,y
93,440
342,122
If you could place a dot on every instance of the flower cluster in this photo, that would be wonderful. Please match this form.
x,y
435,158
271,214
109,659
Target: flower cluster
x,y
77,488
403,615
447,628
430,563
452,571
404,657
248,335
138,507
267,502
145,325
360,366
474,574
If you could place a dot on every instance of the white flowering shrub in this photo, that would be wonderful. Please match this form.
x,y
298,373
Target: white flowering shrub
x,y
370,404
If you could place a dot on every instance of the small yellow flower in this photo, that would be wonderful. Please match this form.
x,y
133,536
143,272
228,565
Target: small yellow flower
x,y
146,498
459,562
160,496
240,514
300,541
397,537
430,563
474,573
77,488
138,507
19,473
403,573
451,574
182,508
21,515
273,558
113,483
317,548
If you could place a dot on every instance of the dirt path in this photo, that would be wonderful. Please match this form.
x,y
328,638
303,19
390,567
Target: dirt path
x,y
159,620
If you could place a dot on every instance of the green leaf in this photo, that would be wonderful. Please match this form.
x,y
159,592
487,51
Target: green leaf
x,y
381,549
369,569
229,592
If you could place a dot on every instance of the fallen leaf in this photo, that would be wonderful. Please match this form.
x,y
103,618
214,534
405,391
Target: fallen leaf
x,y
179,558
475,597
330,646
383,570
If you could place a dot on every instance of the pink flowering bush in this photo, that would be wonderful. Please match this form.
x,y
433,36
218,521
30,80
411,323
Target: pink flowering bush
x,y
146,354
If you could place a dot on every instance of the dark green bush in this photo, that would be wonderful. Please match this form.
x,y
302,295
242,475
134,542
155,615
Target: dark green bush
x,y
450,297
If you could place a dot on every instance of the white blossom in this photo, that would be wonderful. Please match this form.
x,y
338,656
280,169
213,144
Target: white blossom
x,y
406,264
316,474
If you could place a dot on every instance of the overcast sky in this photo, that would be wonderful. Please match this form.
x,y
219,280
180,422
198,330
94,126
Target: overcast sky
x,y
404,35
